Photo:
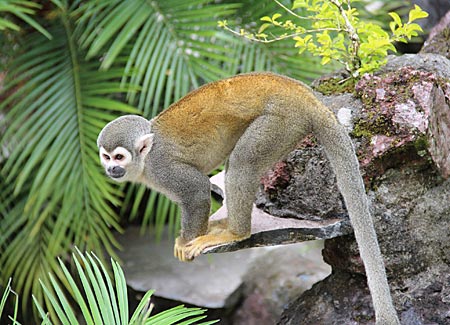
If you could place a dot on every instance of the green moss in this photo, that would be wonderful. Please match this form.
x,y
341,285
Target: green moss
x,y
372,125
335,86
421,145
360,131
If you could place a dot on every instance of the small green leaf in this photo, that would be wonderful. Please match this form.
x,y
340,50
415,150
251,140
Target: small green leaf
x,y
396,18
275,17
325,60
324,39
413,29
417,13
300,42
300,4
261,35
263,27
222,23
392,26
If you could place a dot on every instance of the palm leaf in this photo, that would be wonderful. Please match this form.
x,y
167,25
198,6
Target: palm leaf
x,y
53,119
23,10
101,303
7,291
170,45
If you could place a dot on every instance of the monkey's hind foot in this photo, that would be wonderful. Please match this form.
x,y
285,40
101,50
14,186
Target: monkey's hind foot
x,y
216,237
179,250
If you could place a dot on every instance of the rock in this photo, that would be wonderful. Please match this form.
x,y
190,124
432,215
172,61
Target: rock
x,y
276,278
414,203
435,63
310,193
409,191
342,298
269,231
439,146
405,114
411,217
438,41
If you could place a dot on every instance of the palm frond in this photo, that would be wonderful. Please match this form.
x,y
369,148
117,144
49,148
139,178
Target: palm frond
x,y
171,44
6,293
23,10
102,303
53,119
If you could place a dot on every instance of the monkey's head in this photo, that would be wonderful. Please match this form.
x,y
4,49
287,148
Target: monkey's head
x,y
124,143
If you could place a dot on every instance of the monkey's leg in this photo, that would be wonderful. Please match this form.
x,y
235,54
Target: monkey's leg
x,y
264,142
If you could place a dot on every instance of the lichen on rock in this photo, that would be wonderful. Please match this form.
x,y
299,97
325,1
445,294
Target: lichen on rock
x,y
397,118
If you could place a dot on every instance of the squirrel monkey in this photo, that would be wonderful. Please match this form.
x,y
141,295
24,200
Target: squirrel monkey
x,y
253,120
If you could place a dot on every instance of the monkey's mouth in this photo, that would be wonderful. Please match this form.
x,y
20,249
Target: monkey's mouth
x,y
116,177
116,172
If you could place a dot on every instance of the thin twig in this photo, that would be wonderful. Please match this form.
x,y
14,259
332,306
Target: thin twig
x,y
279,38
351,32
296,15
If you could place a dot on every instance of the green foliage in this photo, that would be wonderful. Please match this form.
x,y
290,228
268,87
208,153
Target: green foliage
x,y
5,295
332,30
59,102
100,299
23,10
167,66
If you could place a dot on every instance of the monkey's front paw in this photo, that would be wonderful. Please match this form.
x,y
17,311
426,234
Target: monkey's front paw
x,y
180,250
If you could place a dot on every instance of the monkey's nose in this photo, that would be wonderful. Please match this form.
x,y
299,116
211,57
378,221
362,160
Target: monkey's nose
x,y
116,171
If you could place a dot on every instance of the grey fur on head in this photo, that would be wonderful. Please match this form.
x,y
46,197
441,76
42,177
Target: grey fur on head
x,y
122,132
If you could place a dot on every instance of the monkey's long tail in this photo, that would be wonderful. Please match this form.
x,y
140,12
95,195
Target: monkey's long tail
x,y
341,154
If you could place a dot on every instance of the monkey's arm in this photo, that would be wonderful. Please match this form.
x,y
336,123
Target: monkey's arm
x,y
188,187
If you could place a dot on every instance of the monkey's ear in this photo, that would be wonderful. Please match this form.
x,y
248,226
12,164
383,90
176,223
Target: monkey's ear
x,y
144,144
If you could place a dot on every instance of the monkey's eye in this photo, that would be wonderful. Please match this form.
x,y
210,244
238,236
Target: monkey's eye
x,y
106,157
118,157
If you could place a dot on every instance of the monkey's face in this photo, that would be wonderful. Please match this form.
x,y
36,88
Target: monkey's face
x,y
123,165
116,163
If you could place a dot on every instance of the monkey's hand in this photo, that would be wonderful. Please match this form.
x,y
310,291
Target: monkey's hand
x,y
217,236
179,250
